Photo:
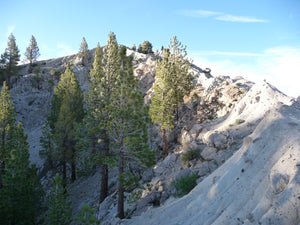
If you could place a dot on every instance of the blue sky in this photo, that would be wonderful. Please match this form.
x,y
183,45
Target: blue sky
x,y
258,39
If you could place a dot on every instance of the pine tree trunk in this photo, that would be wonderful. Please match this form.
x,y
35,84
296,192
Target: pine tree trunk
x,y
30,67
73,166
64,178
73,169
165,144
104,170
120,187
2,172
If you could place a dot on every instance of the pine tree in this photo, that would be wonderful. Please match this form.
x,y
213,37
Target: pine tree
x,y
173,82
20,192
32,53
66,111
86,216
10,59
162,104
83,51
145,48
104,81
182,79
7,120
59,209
47,143
128,128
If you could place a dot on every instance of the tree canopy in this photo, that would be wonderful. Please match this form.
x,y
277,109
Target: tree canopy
x,y
32,52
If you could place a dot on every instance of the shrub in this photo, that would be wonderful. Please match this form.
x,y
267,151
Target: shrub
x,y
185,184
190,155
145,48
31,102
239,121
210,117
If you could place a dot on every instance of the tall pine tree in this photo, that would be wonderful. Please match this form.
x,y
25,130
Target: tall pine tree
x,y
66,111
32,53
162,103
104,77
21,192
128,128
182,79
173,82
83,51
7,120
10,59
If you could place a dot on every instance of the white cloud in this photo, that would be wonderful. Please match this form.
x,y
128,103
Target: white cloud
x,y
198,13
242,19
64,50
220,16
279,66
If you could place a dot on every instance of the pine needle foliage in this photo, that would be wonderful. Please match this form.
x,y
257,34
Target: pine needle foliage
x,y
9,60
32,52
58,208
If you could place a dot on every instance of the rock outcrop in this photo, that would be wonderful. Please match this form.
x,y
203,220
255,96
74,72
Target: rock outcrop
x,y
241,139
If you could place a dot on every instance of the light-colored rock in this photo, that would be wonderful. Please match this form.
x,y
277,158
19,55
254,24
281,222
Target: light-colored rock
x,y
209,153
265,191
196,129
217,140
185,138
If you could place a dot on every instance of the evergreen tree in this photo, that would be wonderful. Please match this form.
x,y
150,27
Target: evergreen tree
x,y
145,48
173,82
7,120
133,47
182,79
20,192
162,103
86,216
32,52
59,209
66,111
104,81
83,51
128,128
10,59
47,143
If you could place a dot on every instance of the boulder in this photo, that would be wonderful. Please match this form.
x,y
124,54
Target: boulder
x,y
148,175
196,129
185,138
209,153
217,140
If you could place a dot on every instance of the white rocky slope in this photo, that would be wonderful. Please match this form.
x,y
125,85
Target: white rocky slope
x,y
260,183
257,184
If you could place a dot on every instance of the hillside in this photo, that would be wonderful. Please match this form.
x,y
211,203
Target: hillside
x,y
247,136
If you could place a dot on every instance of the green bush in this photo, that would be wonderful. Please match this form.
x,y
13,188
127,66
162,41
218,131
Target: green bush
x,y
185,184
190,155
239,121
145,48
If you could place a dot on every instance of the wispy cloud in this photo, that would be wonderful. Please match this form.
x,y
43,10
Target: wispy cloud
x,y
198,13
220,16
242,19
64,49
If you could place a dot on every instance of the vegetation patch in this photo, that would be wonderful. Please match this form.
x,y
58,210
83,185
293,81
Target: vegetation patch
x,y
239,121
185,184
190,155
